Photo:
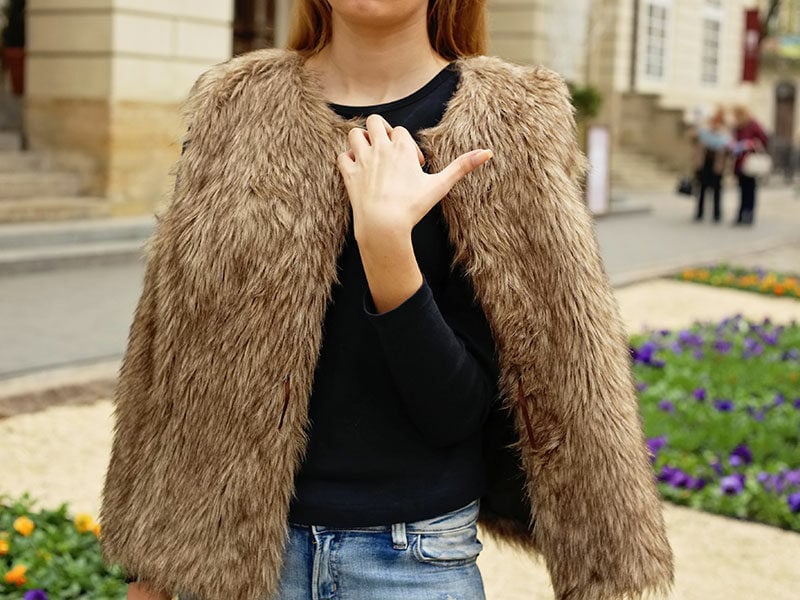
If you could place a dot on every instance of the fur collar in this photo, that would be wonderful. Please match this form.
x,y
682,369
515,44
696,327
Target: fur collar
x,y
211,404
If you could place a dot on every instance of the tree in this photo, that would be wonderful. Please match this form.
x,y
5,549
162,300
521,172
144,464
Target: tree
x,y
774,7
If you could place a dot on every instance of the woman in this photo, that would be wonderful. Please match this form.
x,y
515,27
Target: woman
x,y
712,149
342,360
750,137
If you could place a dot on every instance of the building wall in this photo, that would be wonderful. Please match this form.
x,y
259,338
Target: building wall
x,y
104,82
543,32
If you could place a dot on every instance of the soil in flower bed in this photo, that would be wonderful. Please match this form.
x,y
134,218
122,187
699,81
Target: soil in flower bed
x,y
721,409
754,280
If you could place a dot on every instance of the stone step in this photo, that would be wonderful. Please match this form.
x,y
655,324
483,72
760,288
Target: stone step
x,y
20,210
45,258
10,141
32,184
14,161
18,236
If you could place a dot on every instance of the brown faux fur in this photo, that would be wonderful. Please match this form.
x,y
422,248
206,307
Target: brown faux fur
x,y
211,404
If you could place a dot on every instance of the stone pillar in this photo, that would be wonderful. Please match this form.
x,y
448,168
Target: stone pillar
x,y
105,79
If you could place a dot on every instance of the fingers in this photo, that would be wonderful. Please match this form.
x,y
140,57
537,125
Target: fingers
x,y
462,165
359,141
402,135
379,129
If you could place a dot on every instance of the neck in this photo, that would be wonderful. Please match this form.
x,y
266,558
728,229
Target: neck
x,y
365,64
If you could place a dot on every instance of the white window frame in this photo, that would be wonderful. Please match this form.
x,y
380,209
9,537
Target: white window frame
x,y
712,11
644,44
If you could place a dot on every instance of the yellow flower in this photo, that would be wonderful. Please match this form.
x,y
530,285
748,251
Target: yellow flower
x,y
24,526
16,575
3,547
96,529
84,522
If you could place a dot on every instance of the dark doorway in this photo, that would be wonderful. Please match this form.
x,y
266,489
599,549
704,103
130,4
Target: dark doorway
x,y
783,138
253,25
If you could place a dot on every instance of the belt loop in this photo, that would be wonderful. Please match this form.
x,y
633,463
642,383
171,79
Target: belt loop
x,y
399,539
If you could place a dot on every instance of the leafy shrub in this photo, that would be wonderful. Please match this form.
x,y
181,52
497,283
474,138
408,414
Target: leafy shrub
x,y
46,555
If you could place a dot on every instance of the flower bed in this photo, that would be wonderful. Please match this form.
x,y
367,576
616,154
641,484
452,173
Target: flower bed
x,y
721,409
754,280
45,555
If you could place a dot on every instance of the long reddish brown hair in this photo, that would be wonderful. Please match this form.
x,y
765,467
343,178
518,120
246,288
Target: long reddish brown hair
x,y
456,28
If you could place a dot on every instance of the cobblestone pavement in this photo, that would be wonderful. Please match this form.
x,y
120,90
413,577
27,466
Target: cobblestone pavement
x,y
60,454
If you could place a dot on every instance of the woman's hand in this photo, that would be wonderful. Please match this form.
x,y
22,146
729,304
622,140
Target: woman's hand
x,y
141,591
388,189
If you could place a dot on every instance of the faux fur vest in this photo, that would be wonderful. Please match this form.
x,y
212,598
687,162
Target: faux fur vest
x,y
211,403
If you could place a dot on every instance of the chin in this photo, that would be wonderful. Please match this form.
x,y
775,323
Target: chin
x,y
377,12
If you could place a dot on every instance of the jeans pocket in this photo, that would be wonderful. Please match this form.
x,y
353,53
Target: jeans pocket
x,y
448,548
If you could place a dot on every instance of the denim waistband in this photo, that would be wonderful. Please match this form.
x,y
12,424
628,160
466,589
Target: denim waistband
x,y
461,517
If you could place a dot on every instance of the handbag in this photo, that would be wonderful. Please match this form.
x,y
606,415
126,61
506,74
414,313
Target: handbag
x,y
685,186
757,164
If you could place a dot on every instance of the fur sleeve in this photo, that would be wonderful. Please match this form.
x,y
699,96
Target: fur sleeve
x,y
575,391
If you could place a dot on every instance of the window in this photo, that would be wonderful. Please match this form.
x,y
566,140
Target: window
x,y
656,24
712,30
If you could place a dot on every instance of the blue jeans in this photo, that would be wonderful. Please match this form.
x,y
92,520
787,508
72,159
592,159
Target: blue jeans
x,y
432,559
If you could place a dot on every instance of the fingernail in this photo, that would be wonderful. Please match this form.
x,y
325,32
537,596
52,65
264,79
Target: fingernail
x,y
481,156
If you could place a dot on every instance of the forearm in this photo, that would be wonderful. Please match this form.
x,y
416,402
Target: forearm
x,y
391,267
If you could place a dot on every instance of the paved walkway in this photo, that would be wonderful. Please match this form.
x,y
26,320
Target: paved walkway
x,y
82,315
61,454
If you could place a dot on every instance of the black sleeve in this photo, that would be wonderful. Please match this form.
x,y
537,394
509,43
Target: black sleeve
x,y
443,361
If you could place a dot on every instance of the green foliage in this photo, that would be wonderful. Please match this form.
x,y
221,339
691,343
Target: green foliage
x,y
710,389
587,101
14,30
61,561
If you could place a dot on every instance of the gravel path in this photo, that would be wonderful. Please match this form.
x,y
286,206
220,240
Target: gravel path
x,y
60,454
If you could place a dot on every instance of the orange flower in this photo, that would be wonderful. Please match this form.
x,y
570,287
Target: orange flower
x,y
16,576
3,547
96,530
793,376
24,526
84,522
779,289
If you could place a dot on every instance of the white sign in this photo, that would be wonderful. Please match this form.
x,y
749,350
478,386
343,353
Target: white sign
x,y
598,185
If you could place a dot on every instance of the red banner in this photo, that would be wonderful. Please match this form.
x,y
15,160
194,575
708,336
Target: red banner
x,y
752,44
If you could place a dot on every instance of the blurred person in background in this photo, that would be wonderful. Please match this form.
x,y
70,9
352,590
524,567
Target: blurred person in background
x,y
750,137
711,153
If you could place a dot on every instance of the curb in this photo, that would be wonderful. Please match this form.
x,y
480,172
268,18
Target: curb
x,y
622,280
57,387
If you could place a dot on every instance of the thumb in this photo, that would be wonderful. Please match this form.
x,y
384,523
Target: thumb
x,y
462,165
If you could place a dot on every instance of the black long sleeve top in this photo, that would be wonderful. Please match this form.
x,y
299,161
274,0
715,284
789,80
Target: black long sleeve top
x,y
399,398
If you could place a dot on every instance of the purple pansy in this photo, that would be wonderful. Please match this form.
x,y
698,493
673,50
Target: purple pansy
x,y
699,394
666,406
656,444
796,403
723,405
792,478
716,464
698,354
722,346
779,399
793,500
679,479
35,594
731,485
742,454
676,347
641,386
752,348
762,477
791,354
